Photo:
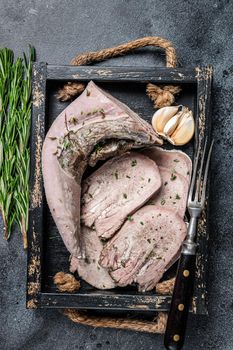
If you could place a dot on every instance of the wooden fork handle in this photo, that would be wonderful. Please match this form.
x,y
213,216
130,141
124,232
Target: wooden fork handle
x,y
182,294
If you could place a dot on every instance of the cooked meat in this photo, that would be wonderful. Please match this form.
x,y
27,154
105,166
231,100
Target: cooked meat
x,y
144,246
89,268
177,161
93,121
117,189
173,193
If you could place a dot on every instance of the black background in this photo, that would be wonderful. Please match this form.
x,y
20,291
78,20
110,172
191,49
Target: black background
x,y
202,32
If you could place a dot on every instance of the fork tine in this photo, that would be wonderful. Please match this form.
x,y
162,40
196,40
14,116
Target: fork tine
x,y
191,188
206,174
198,184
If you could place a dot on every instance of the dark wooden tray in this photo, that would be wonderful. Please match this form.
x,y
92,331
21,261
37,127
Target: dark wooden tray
x,y
47,253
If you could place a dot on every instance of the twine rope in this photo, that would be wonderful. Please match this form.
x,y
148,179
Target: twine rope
x,y
160,95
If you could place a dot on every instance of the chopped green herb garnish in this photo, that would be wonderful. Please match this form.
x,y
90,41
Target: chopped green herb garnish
x,y
122,263
173,177
163,201
102,112
52,138
149,240
134,162
141,222
97,148
129,217
66,144
73,120
188,173
128,177
159,258
116,175
176,160
88,93
90,195
165,183
142,178
98,267
149,180
177,196
124,195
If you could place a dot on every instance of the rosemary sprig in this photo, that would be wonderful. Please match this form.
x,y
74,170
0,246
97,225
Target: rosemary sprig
x,y
15,114
9,144
22,154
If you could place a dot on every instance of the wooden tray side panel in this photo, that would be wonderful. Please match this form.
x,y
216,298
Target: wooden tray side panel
x,y
204,84
35,233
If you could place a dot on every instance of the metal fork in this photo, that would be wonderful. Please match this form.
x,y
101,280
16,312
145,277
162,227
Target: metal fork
x,y
183,290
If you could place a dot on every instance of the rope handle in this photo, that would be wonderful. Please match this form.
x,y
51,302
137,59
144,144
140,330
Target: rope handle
x,y
158,325
123,49
161,96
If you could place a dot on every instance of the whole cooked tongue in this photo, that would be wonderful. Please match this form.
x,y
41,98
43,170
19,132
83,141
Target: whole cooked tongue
x,y
144,246
92,121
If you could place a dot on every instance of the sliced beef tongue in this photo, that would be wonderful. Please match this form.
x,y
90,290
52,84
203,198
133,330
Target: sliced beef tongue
x,y
142,249
89,268
93,118
117,189
173,192
176,161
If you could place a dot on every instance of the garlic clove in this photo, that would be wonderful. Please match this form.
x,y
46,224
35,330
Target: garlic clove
x,y
171,125
184,132
162,116
187,113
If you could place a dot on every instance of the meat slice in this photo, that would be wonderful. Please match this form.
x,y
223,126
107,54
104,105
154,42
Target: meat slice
x,y
89,268
90,123
173,193
177,161
151,238
117,189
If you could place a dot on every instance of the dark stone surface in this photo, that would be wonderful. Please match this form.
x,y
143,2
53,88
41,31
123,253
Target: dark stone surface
x,y
202,32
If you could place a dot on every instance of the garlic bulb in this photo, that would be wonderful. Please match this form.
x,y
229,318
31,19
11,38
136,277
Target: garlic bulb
x,y
175,124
